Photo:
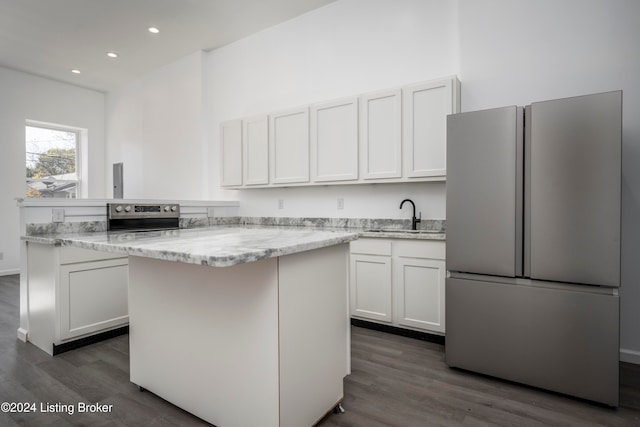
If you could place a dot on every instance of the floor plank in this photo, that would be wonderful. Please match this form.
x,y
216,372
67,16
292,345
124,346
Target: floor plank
x,y
395,382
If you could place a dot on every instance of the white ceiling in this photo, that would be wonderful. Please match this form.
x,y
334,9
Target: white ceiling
x,y
51,37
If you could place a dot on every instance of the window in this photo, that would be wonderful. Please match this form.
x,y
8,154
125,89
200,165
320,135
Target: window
x,y
52,167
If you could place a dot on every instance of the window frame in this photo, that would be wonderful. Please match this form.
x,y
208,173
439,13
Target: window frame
x,y
80,137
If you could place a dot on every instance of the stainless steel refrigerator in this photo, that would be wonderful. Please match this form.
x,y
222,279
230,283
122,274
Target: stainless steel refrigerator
x,y
533,244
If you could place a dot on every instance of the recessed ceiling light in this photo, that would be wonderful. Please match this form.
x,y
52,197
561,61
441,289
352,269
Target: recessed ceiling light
x,y
112,54
75,71
154,30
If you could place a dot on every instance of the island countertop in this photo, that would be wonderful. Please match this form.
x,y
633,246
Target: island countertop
x,y
213,246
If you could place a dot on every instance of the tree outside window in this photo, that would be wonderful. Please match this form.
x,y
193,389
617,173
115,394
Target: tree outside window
x,y
52,162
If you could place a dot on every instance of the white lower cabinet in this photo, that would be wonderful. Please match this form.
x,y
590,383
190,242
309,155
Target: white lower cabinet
x,y
419,286
371,287
399,282
93,297
74,293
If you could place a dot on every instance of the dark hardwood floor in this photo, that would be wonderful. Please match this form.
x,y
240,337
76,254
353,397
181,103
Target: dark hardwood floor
x,y
396,381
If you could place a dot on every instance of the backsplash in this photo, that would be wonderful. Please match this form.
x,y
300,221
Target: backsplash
x,y
66,227
353,223
358,223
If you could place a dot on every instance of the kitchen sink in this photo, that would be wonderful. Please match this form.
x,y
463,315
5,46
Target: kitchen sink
x,y
403,230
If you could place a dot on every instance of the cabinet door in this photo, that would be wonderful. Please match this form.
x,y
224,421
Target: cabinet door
x,y
420,293
371,287
231,153
289,147
426,107
334,140
93,297
256,150
381,135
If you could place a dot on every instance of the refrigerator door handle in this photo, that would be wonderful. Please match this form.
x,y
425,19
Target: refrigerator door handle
x,y
527,192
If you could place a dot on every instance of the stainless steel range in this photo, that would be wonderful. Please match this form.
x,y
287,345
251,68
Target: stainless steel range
x,y
142,216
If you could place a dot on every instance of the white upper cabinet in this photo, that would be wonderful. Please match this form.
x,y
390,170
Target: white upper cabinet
x,y
256,150
231,153
289,161
334,140
381,135
425,111
395,135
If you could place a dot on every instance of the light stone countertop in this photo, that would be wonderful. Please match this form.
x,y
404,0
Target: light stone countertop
x,y
213,246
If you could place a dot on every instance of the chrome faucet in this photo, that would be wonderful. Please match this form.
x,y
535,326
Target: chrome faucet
x,y
414,220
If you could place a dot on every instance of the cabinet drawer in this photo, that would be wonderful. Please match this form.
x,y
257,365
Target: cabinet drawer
x,y
420,249
371,247
71,255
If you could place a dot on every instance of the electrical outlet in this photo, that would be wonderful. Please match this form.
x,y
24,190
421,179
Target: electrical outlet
x,y
340,203
58,215
280,204
1,256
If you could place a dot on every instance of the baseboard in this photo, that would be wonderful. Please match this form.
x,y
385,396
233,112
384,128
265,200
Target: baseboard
x,y
72,345
9,272
630,356
22,334
424,336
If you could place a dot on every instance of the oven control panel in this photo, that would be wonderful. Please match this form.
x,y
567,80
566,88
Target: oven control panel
x,y
142,210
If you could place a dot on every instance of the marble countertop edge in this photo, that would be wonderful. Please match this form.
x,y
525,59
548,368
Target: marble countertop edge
x,y
214,246
221,246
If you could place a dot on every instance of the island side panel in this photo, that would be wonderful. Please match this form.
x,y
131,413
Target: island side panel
x,y
206,338
314,333
42,291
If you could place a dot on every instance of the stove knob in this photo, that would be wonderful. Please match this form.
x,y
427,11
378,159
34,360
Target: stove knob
x,y
166,208
127,208
118,208
174,208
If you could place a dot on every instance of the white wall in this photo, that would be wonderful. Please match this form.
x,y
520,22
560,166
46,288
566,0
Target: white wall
x,y
505,52
154,127
517,52
346,48
27,97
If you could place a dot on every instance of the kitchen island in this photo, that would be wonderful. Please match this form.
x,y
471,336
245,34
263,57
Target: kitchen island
x,y
239,326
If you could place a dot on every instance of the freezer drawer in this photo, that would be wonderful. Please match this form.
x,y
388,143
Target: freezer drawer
x,y
557,339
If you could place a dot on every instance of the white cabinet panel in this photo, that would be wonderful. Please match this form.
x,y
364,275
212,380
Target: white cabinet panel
x,y
381,135
86,295
399,282
289,133
231,153
256,150
371,247
419,285
371,287
93,297
426,107
334,140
